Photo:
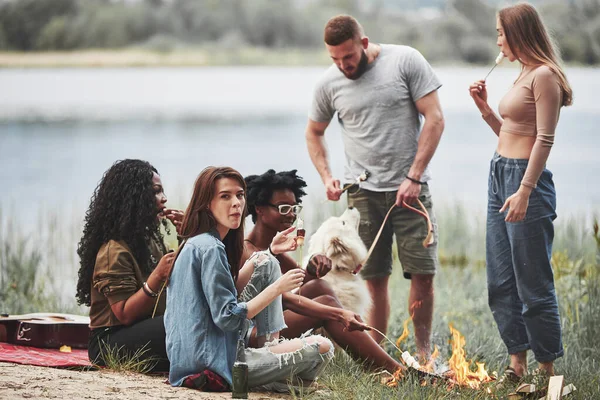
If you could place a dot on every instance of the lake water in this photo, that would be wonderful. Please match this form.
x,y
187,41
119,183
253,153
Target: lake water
x,y
60,129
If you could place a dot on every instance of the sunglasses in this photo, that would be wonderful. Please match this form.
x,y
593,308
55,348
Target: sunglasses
x,y
284,209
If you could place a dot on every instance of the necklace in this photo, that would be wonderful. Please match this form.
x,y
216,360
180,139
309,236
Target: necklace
x,y
250,241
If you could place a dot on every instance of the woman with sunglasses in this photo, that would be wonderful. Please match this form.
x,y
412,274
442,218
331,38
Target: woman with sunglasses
x,y
521,194
273,203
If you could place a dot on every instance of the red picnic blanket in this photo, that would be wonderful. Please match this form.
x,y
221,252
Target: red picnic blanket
x,y
43,357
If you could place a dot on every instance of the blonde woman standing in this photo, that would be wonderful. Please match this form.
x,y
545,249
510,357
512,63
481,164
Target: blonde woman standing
x,y
521,194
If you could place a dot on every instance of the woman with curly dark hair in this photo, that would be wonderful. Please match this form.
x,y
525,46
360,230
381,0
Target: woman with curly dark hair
x,y
124,263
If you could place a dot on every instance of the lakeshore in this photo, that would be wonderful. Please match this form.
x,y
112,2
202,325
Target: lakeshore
x,y
182,57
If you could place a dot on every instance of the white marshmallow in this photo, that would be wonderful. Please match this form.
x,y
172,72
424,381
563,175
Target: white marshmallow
x,y
500,58
410,360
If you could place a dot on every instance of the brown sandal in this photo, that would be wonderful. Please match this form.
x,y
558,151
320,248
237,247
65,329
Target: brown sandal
x,y
508,378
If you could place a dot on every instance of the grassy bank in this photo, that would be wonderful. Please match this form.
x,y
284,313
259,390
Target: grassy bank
x,y
185,57
36,269
206,56
461,299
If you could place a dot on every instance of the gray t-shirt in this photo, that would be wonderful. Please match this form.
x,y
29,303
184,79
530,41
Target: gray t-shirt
x,y
377,114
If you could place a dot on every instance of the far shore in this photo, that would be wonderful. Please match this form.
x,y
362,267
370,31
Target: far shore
x,y
132,57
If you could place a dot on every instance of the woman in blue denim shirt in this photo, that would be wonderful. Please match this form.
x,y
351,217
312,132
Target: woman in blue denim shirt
x,y
521,194
205,315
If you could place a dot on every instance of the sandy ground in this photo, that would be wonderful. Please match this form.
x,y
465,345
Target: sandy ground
x,y
30,382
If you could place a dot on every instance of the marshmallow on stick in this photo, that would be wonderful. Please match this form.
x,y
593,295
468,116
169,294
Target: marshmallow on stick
x,y
361,178
499,58
410,360
300,232
364,176
497,62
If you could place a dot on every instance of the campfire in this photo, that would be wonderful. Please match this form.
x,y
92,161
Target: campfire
x,y
460,370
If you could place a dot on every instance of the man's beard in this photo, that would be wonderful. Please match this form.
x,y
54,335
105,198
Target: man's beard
x,y
361,67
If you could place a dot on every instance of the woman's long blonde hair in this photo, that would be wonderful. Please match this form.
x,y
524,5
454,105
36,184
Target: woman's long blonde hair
x,y
526,34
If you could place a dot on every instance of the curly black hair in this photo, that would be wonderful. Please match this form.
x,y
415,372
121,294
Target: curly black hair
x,y
123,207
260,188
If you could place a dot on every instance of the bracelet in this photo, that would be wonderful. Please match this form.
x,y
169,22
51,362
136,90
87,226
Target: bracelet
x,y
149,292
415,180
529,185
271,251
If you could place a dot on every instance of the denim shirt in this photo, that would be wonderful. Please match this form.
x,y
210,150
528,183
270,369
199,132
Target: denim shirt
x,y
203,317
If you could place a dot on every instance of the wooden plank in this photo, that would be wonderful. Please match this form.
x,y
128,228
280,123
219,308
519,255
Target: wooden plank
x,y
570,388
555,387
526,388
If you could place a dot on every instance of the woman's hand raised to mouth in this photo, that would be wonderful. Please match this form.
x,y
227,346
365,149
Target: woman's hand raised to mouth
x,y
284,241
175,216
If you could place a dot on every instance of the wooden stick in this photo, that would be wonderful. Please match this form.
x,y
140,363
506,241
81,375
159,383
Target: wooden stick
x,y
158,297
387,338
348,186
300,266
488,74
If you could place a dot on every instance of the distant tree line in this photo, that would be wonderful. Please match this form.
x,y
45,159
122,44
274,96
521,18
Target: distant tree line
x,y
461,30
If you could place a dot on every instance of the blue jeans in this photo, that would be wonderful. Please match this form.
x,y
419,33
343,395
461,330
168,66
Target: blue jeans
x,y
266,271
521,291
267,370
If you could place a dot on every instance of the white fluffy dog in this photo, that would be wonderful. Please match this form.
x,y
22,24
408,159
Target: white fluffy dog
x,y
338,239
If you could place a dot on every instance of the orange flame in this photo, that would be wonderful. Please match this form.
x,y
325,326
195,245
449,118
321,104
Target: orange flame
x,y
395,378
461,367
404,333
429,366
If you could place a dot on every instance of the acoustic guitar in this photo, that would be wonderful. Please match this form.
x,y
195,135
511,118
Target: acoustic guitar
x,y
45,330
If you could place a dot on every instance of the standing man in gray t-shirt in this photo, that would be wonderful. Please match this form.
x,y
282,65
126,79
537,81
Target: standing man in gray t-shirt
x,y
380,93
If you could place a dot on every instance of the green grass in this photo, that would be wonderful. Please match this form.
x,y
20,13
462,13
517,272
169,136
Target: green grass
x,y
35,267
116,359
461,299
28,282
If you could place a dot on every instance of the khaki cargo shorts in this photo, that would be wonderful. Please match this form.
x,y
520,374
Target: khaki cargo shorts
x,y
409,228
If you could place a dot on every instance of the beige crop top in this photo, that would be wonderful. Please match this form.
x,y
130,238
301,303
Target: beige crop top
x,y
531,108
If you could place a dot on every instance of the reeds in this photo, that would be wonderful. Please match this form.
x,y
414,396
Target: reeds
x,y
117,359
36,268
461,298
